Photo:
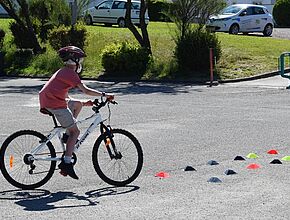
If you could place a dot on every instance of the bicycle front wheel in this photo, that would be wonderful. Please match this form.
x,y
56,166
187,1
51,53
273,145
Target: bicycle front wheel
x,y
117,158
17,164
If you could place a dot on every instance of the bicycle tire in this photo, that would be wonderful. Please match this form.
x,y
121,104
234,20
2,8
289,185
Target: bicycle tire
x,y
125,143
14,149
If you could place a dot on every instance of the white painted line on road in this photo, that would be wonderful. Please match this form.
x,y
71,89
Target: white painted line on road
x,y
34,102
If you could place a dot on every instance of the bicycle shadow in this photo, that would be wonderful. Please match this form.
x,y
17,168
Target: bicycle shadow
x,y
43,200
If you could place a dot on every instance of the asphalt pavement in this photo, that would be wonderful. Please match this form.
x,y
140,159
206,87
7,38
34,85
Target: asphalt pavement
x,y
281,33
178,125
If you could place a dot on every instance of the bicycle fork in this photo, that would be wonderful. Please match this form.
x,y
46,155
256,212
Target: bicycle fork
x,y
106,131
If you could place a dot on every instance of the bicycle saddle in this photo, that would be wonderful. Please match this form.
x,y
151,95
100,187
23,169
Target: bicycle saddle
x,y
45,111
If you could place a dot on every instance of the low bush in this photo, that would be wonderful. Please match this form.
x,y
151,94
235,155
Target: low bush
x,y
125,59
16,60
2,35
66,35
21,37
48,13
45,64
192,51
281,13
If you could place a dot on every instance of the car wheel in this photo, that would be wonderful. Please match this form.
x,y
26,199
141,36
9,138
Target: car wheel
x,y
88,20
234,29
121,23
268,30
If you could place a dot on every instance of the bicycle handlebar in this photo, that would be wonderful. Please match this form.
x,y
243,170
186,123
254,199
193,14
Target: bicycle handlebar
x,y
98,105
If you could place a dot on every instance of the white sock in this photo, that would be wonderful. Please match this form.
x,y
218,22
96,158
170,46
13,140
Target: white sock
x,y
67,159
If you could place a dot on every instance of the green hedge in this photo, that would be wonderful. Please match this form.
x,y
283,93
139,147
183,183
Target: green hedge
x,y
125,59
66,35
2,35
192,51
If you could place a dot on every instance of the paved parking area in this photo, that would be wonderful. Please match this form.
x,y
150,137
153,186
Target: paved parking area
x,y
281,33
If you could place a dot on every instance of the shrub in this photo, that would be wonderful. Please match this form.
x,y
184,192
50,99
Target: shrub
x,y
192,50
2,35
281,13
63,36
156,9
17,60
45,64
125,59
21,37
48,13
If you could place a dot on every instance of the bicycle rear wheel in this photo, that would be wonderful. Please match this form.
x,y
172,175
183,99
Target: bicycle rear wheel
x,y
117,158
16,164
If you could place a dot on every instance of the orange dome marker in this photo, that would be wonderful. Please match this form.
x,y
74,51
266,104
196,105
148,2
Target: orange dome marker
x,y
162,174
253,166
272,151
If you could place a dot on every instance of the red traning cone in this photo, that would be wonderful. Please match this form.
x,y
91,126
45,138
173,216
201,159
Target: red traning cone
x,y
253,166
162,175
272,151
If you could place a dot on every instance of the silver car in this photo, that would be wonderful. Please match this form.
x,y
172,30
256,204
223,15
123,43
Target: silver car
x,y
113,12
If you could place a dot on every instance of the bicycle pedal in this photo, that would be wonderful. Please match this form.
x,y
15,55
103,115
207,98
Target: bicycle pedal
x,y
63,173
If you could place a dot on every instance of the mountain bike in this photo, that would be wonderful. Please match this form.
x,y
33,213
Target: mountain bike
x,y
28,158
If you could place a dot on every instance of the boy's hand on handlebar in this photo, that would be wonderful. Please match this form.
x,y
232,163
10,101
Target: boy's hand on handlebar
x,y
88,103
109,96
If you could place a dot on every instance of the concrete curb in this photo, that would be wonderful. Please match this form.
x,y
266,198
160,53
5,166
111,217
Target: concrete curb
x,y
260,76
197,81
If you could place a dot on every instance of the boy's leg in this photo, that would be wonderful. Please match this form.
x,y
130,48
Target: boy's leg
x,y
75,107
74,133
66,119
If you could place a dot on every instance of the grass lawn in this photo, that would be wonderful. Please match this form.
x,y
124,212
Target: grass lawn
x,y
242,55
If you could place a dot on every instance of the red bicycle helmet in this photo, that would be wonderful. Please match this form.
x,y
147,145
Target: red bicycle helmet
x,y
71,53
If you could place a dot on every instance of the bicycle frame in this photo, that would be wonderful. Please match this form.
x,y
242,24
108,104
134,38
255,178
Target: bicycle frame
x,y
58,131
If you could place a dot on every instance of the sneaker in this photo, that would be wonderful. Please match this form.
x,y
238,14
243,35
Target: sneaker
x,y
67,169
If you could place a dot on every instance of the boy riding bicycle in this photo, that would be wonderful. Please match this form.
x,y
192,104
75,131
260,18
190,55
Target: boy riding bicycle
x,y
54,97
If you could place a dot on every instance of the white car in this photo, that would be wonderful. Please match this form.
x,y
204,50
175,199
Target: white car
x,y
113,12
244,18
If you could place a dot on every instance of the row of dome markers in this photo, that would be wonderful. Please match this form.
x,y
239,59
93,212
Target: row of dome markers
x,y
252,166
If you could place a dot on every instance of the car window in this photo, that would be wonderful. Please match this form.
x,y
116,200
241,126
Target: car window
x,y
105,5
233,9
136,5
258,11
123,5
119,5
250,11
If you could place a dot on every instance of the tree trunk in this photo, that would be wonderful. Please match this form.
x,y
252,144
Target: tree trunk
x,y
143,39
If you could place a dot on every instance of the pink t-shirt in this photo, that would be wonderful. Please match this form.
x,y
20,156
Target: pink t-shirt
x,y
55,91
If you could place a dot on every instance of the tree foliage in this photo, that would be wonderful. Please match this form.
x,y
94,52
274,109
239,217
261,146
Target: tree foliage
x,y
19,11
184,12
281,13
193,43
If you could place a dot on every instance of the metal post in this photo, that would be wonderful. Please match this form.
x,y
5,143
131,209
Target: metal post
x,y
74,7
211,65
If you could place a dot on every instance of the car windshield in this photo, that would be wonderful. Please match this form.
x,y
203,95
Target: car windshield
x,y
233,9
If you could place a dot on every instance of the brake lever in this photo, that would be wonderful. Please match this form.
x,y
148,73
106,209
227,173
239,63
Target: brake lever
x,y
114,102
96,102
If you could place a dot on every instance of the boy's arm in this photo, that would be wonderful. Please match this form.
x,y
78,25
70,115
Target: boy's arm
x,y
93,92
